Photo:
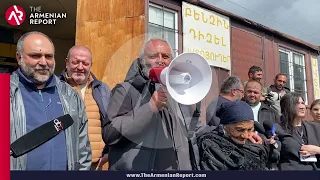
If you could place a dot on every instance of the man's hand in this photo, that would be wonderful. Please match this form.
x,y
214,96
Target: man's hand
x,y
254,138
308,150
102,161
271,140
159,99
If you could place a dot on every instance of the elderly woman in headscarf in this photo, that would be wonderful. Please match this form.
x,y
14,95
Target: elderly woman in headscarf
x,y
229,147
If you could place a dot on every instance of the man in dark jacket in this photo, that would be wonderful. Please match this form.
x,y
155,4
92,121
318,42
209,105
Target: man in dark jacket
x,y
261,111
263,114
278,90
146,129
96,97
231,90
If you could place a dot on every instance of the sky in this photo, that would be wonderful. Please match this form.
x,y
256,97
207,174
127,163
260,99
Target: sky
x,y
298,18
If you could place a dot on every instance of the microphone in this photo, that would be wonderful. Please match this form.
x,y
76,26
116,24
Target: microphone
x,y
258,127
270,131
40,135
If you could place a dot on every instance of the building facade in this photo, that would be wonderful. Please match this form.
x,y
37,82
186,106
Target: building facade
x,y
230,44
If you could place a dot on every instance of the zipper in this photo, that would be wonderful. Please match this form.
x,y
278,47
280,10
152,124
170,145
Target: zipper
x,y
45,110
40,95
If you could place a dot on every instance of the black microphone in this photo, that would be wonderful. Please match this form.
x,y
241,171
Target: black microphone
x,y
258,127
40,135
270,131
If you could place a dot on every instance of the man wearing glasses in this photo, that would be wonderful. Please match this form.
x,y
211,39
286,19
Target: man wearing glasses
x,y
232,89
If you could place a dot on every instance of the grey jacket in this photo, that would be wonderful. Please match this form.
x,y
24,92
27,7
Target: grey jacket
x,y
140,139
77,140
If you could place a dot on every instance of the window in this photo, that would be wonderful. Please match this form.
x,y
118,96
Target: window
x,y
293,65
163,23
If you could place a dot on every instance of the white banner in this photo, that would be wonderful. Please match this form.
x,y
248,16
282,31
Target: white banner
x,y
206,33
315,78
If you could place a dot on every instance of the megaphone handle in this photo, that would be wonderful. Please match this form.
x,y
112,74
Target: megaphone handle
x,y
197,111
157,86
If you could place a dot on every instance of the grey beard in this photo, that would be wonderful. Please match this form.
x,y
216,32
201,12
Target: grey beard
x,y
30,73
146,69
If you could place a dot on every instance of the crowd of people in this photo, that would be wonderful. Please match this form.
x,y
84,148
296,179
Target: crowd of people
x,y
138,126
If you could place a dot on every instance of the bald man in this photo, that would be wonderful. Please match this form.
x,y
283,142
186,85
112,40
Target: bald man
x,y
147,129
96,97
38,96
262,114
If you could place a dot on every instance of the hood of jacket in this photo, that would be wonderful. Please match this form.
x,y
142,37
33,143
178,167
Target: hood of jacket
x,y
136,77
274,89
95,82
135,70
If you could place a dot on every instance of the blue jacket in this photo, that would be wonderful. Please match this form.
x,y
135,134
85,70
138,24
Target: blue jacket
x,y
77,140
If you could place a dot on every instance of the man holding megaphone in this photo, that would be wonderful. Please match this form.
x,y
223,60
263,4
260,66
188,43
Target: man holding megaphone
x,y
151,123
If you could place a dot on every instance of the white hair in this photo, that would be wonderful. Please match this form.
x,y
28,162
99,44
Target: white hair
x,y
141,55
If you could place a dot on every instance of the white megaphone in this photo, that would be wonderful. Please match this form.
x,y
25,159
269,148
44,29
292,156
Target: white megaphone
x,y
188,78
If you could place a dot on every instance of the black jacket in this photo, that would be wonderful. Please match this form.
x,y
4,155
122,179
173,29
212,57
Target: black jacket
x,y
140,139
218,152
291,145
267,114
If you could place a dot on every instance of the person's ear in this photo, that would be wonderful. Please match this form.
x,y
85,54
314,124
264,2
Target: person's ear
x,y
18,57
233,92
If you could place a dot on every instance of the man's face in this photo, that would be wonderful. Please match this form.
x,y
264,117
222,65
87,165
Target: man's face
x,y
157,53
37,58
79,65
280,82
256,76
238,93
240,131
252,93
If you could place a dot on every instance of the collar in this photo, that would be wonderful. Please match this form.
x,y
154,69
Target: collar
x,y
258,105
223,98
70,81
274,89
24,80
